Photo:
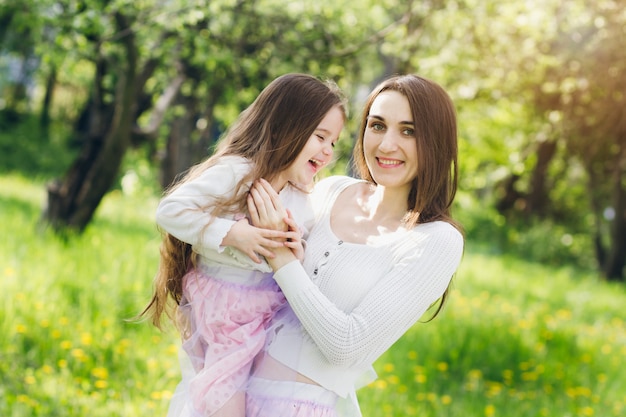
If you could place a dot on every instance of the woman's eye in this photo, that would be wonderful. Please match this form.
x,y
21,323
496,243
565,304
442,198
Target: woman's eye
x,y
377,126
408,132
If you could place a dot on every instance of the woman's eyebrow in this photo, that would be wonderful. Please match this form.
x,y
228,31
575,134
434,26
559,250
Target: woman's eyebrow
x,y
373,116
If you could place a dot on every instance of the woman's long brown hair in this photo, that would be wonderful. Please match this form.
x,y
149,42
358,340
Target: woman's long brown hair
x,y
270,133
434,118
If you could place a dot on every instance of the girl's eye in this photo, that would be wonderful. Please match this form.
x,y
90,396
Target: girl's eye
x,y
333,144
321,138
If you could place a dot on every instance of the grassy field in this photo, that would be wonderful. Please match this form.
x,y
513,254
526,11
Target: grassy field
x,y
517,339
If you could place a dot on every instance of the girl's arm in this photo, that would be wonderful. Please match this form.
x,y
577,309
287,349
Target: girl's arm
x,y
186,214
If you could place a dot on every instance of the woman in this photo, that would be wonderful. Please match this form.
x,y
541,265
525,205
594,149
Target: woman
x,y
382,251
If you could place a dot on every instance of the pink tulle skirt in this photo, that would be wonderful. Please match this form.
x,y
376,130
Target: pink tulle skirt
x,y
224,327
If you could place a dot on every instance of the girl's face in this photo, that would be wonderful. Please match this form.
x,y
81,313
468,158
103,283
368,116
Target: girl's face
x,y
389,142
317,152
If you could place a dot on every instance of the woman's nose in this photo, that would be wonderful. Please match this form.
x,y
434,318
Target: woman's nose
x,y
388,143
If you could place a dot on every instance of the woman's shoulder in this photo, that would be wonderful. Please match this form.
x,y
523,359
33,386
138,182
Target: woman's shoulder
x,y
437,235
334,182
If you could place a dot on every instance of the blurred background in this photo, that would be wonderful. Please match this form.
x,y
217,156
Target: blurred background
x,y
104,102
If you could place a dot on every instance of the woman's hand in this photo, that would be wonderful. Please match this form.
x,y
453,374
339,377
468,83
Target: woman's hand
x,y
254,241
265,208
266,211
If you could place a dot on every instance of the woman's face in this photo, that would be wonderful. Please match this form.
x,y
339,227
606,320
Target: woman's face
x,y
317,152
389,142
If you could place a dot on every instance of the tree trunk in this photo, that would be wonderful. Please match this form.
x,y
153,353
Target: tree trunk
x,y
72,202
51,81
616,258
537,199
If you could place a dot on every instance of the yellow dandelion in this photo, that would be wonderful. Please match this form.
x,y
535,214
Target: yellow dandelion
x,y
393,379
62,363
38,306
475,374
20,329
66,345
490,410
45,323
152,363
446,399
55,334
606,349
442,366
22,398
9,272
105,323
570,392
420,378
167,395
402,389
86,339
585,358
64,321
586,411
156,339
100,373
101,384
529,376
507,374
78,354
431,397
47,369
380,384
583,392
29,380
156,395
602,378
388,367
412,355
172,349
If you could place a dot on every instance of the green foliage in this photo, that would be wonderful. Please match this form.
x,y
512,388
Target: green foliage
x,y
517,339
27,149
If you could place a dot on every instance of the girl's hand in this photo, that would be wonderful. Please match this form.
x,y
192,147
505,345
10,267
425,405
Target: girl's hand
x,y
265,207
254,241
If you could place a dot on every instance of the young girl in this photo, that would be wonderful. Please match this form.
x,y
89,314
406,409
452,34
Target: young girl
x,y
211,257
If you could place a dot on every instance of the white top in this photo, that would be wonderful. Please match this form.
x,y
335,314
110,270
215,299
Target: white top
x,y
356,300
181,213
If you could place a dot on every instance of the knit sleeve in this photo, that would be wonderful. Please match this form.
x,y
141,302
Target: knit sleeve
x,y
186,212
390,307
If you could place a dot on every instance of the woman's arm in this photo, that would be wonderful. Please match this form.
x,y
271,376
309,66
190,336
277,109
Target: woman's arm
x,y
389,308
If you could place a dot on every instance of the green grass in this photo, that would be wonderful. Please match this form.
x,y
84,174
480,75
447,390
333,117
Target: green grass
x,y
517,339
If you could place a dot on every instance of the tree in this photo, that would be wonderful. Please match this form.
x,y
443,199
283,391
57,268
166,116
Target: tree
x,y
192,65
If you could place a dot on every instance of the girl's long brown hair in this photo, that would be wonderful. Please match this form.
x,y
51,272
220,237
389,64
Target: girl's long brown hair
x,y
270,133
434,118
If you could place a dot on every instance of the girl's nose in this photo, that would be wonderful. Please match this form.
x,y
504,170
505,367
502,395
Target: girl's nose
x,y
328,150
